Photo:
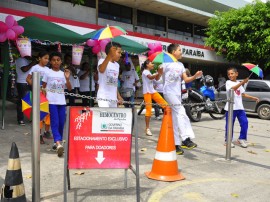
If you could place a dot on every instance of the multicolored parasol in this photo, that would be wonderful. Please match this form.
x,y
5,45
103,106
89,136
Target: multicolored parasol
x,y
162,57
27,106
109,32
254,69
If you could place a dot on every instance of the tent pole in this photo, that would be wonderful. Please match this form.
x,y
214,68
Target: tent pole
x,y
91,73
5,59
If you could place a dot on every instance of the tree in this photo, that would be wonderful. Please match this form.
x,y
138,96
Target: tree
x,y
77,2
242,35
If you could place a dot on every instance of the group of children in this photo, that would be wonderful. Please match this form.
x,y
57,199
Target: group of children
x,y
108,71
172,75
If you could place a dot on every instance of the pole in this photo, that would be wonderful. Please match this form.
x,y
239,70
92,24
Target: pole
x,y
35,138
137,154
230,125
66,176
5,59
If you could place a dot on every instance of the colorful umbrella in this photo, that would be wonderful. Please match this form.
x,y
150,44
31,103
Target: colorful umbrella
x,y
254,69
109,32
162,57
27,106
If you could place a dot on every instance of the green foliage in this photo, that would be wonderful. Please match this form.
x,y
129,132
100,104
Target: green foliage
x,y
77,2
242,35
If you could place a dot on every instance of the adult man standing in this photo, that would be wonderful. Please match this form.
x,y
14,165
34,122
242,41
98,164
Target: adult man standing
x,y
23,67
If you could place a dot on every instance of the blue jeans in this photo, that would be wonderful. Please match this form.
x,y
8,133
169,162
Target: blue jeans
x,y
58,117
243,121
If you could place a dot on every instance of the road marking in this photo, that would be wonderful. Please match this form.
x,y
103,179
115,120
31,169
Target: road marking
x,y
155,197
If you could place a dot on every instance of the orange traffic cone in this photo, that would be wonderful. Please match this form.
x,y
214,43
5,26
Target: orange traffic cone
x,y
165,167
13,188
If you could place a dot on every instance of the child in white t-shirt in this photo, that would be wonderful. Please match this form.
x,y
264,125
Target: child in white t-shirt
x,y
108,72
238,108
56,80
43,59
149,93
173,73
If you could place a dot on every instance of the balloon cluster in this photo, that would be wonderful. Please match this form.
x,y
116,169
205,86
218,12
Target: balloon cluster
x,y
98,45
154,47
10,29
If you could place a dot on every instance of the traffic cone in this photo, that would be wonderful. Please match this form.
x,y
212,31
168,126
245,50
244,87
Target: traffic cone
x,y
13,188
165,167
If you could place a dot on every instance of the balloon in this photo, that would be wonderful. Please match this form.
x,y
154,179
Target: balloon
x,y
91,42
18,29
103,44
10,21
151,45
3,27
96,49
11,34
154,47
150,52
3,37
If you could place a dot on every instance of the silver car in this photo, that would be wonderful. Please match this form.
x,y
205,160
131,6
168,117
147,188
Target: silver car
x,y
257,88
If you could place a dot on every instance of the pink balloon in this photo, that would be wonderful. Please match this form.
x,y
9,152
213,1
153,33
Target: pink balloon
x,y
96,49
3,27
91,42
158,43
3,37
11,34
103,44
151,45
18,29
10,21
158,48
15,23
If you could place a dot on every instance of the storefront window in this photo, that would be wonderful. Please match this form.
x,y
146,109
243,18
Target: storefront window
x,y
150,20
180,27
88,3
115,12
37,2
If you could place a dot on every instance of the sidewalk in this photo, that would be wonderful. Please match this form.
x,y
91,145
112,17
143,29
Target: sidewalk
x,y
208,176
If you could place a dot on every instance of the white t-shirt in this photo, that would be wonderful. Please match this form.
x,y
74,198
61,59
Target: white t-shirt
x,y
147,83
172,77
42,71
128,78
85,83
238,104
108,81
77,80
158,85
21,76
56,81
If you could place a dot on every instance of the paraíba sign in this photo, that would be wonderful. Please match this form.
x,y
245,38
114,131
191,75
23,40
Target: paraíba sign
x,y
193,52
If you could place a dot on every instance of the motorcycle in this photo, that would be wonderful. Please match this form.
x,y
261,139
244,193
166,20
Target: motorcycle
x,y
204,98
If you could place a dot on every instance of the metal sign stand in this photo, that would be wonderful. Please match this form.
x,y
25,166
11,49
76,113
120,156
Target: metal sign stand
x,y
135,171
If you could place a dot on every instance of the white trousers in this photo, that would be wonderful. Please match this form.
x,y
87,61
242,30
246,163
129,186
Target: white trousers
x,y
102,103
181,122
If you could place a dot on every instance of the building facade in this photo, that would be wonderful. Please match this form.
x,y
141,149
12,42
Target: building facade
x,y
146,21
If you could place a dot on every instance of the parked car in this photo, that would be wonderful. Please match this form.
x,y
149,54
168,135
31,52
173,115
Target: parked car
x,y
257,88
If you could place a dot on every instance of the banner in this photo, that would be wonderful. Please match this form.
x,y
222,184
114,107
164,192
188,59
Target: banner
x,y
24,47
142,58
77,53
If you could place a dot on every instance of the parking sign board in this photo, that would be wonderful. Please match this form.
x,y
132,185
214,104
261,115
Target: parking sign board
x,y
99,138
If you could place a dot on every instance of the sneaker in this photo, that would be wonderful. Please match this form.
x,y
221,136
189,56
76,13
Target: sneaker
x,y
188,144
179,150
41,140
21,123
242,143
148,132
158,118
54,147
232,145
60,150
47,135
